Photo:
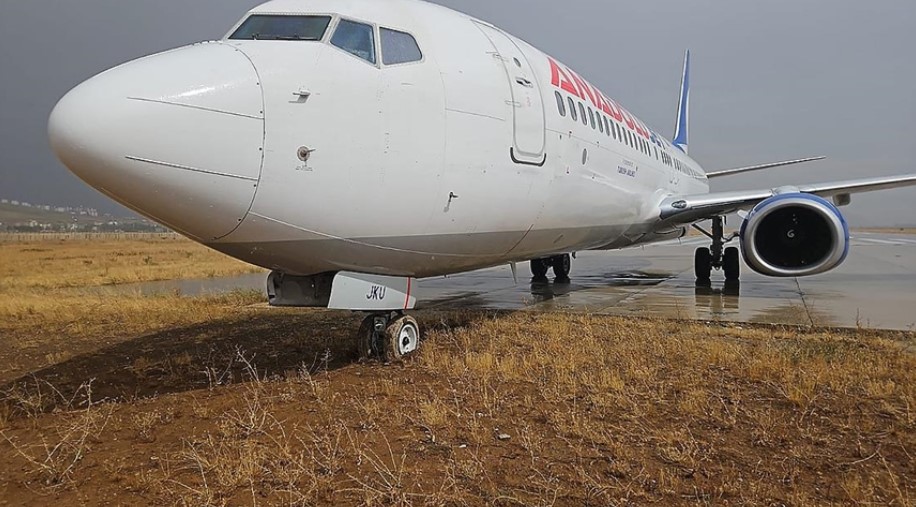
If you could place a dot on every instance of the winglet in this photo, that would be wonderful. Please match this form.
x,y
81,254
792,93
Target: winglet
x,y
683,108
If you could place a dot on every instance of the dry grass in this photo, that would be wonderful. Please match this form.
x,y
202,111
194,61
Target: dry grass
x,y
50,309
67,264
205,401
523,409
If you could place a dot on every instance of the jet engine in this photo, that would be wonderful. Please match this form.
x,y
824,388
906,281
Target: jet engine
x,y
794,234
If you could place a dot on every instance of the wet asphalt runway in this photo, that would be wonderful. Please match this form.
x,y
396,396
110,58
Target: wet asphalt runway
x,y
874,288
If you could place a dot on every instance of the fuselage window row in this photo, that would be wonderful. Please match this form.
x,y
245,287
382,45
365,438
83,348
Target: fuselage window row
x,y
613,129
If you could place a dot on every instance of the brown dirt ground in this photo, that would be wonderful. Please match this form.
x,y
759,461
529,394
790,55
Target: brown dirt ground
x,y
272,407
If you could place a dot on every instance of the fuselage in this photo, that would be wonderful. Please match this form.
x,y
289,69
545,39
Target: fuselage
x,y
302,157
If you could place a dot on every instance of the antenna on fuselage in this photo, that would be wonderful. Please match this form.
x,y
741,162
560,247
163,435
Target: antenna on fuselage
x,y
683,108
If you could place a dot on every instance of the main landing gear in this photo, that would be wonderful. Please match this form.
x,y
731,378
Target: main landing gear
x,y
717,256
561,265
388,336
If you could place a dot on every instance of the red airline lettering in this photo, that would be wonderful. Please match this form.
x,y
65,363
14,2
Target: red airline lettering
x,y
628,119
614,110
560,78
567,80
585,90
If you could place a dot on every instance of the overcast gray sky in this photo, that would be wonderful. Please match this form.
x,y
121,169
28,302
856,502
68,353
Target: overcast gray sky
x,y
771,80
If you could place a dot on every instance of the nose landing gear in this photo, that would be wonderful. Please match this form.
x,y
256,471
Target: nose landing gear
x,y
717,256
388,336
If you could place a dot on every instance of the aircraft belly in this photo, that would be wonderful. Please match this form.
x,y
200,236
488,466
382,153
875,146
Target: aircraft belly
x,y
417,256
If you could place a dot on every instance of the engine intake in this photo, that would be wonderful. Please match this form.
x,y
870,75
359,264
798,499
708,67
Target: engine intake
x,y
794,235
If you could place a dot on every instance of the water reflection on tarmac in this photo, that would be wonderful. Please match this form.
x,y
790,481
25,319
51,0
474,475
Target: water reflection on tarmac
x,y
875,287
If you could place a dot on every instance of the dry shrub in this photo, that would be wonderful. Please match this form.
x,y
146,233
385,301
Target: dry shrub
x,y
61,447
253,454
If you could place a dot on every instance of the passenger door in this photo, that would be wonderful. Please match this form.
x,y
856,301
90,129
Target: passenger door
x,y
527,103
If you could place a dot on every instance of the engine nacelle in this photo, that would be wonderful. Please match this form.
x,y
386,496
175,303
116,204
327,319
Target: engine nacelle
x,y
794,234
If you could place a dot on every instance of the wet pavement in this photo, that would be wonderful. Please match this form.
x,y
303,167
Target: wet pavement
x,y
874,288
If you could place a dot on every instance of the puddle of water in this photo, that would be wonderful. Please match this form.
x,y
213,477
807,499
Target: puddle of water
x,y
197,287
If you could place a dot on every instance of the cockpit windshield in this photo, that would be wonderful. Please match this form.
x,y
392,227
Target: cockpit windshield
x,y
282,27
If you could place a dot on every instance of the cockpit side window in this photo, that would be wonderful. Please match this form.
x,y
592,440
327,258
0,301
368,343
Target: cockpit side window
x,y
355,38
399,47
282,27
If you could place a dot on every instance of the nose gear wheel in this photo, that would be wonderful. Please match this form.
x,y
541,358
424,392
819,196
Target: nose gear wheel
x,y
388,337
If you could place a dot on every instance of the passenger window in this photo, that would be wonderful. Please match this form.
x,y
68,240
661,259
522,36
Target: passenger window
x,y
561,106
600,124
591,117
356,39
607,126
582,114
572,109
297,28
399,47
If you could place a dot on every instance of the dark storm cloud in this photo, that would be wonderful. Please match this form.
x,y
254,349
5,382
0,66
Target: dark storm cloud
x,y
772,80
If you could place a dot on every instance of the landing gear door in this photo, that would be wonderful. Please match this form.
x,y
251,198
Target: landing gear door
x,y
526,101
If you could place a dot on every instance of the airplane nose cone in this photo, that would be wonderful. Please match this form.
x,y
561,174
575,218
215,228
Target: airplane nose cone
x,y
177,137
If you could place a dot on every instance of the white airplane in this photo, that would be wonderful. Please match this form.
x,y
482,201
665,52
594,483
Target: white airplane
x,y
353,146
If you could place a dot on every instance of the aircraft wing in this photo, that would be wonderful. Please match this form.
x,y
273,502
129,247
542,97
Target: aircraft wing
x,y
687,209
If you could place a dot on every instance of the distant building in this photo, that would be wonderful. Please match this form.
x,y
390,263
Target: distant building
x,y
26,205
14,203
4,201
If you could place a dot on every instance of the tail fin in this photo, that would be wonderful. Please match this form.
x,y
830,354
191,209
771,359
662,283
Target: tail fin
x,y
683,108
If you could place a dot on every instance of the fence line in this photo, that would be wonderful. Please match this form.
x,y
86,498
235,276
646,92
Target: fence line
x,y
26,237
